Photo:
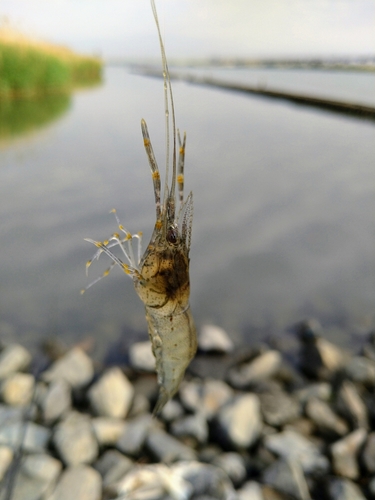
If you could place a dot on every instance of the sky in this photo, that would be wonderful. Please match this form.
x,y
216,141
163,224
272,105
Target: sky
x,y
200,28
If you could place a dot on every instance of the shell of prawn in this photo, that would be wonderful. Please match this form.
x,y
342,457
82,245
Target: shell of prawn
x,y
161,275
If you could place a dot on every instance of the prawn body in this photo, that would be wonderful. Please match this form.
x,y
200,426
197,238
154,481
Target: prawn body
x,y
161,275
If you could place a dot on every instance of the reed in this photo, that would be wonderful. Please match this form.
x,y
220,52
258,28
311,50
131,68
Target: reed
x,y
31,68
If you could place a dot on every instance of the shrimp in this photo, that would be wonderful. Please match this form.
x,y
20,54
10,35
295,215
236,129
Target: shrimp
x,y
161,275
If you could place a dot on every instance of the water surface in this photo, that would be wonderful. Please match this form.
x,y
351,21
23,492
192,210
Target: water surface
x,y
283,210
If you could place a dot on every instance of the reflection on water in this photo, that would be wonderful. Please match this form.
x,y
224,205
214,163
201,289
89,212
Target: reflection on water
x,y
24,115
283,216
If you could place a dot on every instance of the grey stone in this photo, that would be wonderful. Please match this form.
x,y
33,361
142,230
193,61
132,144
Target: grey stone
x,y
75,367
74,439
152,482
194,426
345,454
18,389
134,434
36,477
264,366
141,357
251,490
293,446
57,401
302,426
361,369
371,487
325,418
320,390
113,466
205,396
344,489
368,455
240,420
112,394
233,465
278,408
167,448
139,405
34,437
351,405
287,476
6,457
108,430
214,338
172,411
206,480
321,358
13,358
80,482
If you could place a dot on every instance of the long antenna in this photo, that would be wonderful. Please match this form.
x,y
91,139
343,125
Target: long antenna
x,y
167,86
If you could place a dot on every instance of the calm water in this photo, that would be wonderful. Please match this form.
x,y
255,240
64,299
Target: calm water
x,y
283,217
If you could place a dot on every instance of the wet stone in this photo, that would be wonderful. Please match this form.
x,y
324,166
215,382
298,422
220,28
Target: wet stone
x,y
324,417
13,358
214,338
36,477
292,446
368,455
345,454
240,421
264,366
205,396
79,483
6,457
134,434
18,389
74,439
113,466
278,408
233,465
57,401
108,430
75,367
344,489
141,357
194,426
287,477
166,448
112,394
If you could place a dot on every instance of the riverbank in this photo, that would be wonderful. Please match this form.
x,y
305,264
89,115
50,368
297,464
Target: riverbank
x,y
257,422
335,106
31,68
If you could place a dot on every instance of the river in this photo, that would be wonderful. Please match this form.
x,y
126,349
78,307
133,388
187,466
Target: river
x,y
284,209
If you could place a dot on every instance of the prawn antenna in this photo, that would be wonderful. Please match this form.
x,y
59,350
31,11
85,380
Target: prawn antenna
x,y
168,95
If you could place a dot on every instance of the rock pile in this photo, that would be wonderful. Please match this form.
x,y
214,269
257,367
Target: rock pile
x,y
254,427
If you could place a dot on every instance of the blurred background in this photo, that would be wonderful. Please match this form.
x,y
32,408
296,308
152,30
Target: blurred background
x,y
283,195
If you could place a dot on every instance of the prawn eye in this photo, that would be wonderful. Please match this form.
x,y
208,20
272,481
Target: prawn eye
x,y
172,236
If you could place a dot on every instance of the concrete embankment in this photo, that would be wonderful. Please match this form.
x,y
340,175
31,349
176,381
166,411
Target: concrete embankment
x,y
343,107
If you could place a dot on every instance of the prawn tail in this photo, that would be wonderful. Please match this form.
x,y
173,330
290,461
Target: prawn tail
x,y
162,400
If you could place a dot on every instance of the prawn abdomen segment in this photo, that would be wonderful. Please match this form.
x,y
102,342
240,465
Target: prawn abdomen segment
x,y
174,344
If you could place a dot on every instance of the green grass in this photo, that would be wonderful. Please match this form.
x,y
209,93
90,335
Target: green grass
x,y
29,70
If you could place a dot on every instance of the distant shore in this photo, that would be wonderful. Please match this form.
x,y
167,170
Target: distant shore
x,y
31,68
